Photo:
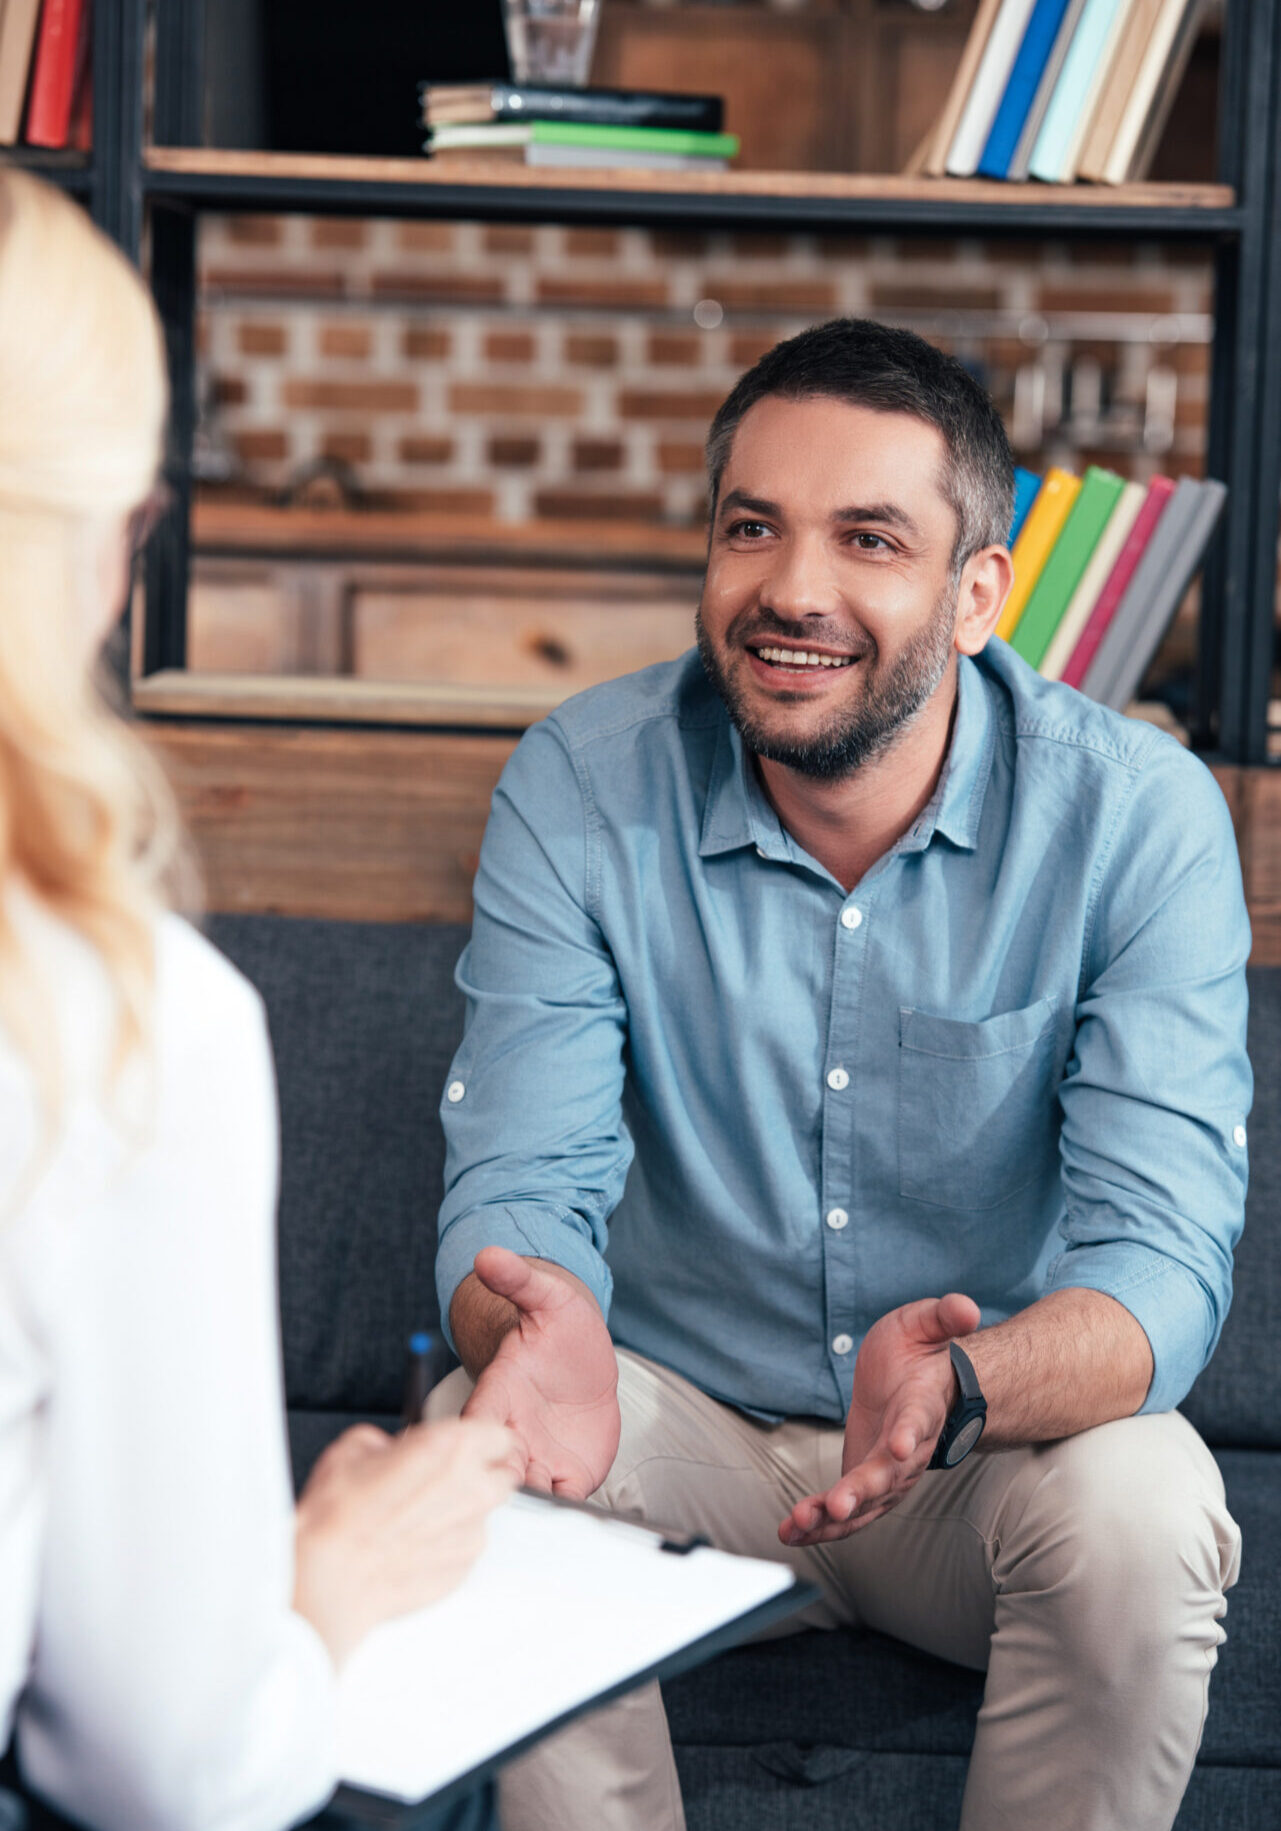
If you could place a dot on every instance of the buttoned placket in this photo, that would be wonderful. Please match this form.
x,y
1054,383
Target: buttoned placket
x,y
851,936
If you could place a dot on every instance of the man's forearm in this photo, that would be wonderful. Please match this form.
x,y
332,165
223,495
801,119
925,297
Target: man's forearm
x,y
478,1321
479,1318
1074,1359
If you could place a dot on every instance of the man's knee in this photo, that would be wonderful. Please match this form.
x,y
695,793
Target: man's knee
x,y
448,1399
1124,1535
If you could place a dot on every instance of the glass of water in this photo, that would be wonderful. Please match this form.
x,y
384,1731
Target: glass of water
x,y
551,41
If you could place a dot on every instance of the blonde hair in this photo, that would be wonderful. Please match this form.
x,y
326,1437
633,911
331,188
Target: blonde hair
x,y
86,819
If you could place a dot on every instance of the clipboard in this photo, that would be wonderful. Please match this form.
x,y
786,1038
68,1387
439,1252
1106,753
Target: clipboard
x,y
564,1550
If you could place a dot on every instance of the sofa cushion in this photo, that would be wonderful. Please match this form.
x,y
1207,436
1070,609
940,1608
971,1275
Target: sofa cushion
x,y
1237,1400
364,1022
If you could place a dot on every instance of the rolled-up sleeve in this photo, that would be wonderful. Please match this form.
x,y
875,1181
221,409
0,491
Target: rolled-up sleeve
x,y
536,1148
1158,1091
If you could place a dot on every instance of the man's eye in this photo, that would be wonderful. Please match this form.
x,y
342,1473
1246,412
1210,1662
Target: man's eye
x,y
748,530
870,543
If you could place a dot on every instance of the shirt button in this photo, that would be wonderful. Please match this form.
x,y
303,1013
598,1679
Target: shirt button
x,y
842,1344
1238,1137
838,1080
760,852
454,1092
837,1218
851,917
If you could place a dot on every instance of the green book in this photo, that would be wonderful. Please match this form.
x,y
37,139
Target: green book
x,y
633,139
1070,555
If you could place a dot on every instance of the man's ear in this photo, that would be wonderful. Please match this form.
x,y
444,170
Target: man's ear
x,y
985,584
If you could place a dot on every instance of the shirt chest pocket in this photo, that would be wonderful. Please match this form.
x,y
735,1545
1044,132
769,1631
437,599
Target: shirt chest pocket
x,y
978,1112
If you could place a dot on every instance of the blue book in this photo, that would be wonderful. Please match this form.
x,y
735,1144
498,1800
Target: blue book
x,y
1071,92
1026,484
1020,91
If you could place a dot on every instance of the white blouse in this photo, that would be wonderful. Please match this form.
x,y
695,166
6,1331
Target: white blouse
x,y
150,1662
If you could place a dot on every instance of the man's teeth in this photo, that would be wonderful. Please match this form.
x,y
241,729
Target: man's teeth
x,y
804,658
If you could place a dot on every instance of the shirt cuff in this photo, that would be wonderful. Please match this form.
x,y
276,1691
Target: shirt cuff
x,y
1169,1302
536,1232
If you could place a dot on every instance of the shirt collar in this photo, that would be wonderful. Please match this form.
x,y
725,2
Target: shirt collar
x,y
738,812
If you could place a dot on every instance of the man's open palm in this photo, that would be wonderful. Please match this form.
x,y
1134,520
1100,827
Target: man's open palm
x,y
554,1378
903,1384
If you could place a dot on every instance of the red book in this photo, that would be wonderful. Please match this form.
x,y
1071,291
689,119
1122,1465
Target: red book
x,y
1159,493
54,73
80,131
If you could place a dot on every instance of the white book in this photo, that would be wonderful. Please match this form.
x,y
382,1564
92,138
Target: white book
x,y
620,158
1096,575
564,1608
990,79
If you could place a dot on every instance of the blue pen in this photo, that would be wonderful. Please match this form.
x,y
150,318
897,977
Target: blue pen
x,y
418,1377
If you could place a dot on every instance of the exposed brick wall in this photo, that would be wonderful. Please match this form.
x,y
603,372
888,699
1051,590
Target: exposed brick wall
x,y
530,372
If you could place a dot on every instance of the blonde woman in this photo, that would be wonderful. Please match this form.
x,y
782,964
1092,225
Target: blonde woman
x,y
169,1629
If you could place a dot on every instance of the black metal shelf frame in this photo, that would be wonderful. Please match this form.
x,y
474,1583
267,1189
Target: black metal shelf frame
x,y
1244,434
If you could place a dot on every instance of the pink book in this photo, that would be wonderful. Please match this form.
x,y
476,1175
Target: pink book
x,y
1159,493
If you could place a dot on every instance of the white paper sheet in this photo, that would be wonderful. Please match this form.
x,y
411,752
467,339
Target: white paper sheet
x,y
559,1607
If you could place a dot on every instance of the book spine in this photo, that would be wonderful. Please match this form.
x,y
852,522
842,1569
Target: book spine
x,y
1061,574
1033,547
1159,492
49,110
609,108
1093,579
1020,164
1026,485
1049,161
988,88
1164,600
1020,91
632,139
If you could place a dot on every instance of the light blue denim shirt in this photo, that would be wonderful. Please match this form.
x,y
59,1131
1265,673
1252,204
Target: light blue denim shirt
x,y
754,1113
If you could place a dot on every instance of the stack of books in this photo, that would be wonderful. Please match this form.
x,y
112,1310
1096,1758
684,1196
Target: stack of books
x,y
1064,89
46,75
601,127
1100,567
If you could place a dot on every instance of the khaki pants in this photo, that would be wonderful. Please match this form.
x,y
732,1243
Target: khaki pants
x,y
1086,1577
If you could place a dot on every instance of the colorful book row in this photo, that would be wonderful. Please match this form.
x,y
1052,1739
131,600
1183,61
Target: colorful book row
x,y
1100,567
46,78
1064,89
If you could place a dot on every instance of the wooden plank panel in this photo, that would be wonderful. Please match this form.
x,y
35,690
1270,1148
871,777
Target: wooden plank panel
x,y
386,826
359,826
561,640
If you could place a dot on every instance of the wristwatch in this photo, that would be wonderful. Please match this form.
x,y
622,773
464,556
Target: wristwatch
x,y
966,1419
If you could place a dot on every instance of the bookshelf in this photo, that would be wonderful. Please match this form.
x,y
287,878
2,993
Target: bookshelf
x,y
167,186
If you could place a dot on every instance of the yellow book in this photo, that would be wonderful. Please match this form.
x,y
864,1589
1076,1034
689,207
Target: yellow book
x,y
1036,541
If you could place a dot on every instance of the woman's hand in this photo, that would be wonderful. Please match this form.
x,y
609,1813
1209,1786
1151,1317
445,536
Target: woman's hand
x,y
388,1524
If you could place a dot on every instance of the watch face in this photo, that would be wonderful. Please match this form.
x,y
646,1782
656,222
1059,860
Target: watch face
x,y
964,1440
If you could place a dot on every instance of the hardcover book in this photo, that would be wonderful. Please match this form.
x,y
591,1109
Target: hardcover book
x,y
18,21
1098,496
54,74
504,101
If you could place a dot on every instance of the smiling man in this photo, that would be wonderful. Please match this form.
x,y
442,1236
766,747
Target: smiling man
x,y
905,994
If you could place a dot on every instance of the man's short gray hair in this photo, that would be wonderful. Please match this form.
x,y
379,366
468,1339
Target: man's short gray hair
x,y
890,371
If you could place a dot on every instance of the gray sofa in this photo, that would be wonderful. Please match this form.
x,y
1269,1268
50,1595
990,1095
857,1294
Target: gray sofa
x,y
817,1731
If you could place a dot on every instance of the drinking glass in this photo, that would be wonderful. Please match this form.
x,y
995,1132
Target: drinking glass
x,y
551,41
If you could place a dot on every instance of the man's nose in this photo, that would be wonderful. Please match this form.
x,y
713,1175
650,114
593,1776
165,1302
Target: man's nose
x,y
802,580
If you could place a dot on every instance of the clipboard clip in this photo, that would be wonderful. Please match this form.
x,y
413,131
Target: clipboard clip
x,y
682,1543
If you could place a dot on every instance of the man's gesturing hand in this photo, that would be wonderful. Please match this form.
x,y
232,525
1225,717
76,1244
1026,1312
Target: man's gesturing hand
x,y
903,1390
553,1379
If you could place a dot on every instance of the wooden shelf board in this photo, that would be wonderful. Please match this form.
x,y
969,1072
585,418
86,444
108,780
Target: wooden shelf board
x,y
328,699
227,526
292,169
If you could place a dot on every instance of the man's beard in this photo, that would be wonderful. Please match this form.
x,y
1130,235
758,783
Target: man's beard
x,y
891,698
